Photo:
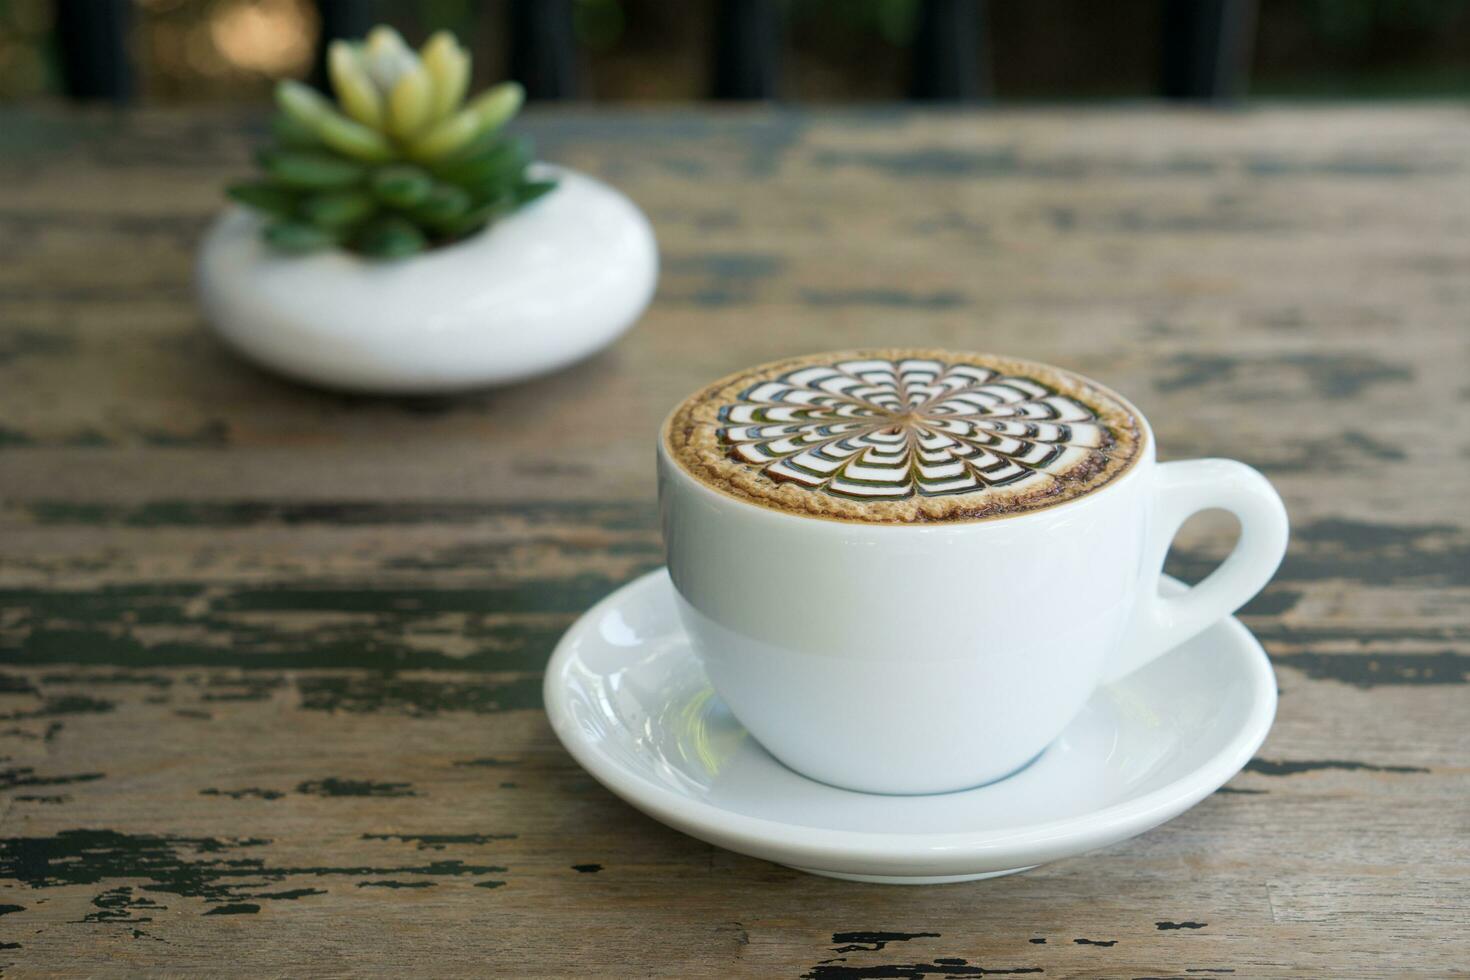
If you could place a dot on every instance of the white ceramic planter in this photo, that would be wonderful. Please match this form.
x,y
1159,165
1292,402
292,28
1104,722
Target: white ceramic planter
x,y
536,291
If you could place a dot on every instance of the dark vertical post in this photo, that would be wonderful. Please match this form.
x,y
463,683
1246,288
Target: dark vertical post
x,y
543,53
951,62
93,39
339,19
747,49
1207,48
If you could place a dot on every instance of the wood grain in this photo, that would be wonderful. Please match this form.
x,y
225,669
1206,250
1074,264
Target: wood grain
x,y
271,656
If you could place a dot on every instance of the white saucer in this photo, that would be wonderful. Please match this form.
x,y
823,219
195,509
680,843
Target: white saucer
x,y
629,700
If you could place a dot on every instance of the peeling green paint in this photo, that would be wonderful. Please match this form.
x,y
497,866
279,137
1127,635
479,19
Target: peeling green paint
x,y
332,786
438,842
368,694
607,516
222,872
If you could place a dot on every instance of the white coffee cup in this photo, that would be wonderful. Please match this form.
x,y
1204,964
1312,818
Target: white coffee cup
x,y
925,658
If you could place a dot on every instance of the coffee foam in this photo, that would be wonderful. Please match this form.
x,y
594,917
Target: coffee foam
x,y
904,436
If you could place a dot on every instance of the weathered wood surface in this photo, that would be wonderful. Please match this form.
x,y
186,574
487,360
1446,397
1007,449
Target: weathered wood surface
x,y
271,656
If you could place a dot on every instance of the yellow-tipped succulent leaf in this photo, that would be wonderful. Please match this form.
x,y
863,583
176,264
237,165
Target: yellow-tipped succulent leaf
x,y
354,87
410,103
387,58
354,139
497,106
448,66
489,111
445,137
309,107
301,102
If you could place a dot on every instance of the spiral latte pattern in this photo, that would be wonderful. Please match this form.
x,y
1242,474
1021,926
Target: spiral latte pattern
x,y
905,436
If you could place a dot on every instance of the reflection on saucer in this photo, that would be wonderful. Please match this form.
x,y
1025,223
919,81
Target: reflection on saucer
x,y
630,701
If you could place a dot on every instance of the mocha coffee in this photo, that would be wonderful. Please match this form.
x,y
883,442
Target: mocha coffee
x,y
904,436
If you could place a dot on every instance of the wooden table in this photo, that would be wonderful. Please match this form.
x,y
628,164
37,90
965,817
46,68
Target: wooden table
x,y
272,656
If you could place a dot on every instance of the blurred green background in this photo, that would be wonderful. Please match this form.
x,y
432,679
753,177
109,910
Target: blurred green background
x,y
837,50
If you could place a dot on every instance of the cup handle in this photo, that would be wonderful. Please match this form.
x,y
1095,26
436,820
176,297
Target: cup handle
x,y
1182,489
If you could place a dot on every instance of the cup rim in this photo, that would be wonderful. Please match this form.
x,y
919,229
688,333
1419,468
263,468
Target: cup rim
x,y
1146,452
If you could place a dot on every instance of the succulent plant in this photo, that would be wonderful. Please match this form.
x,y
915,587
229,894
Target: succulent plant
x,y
400,162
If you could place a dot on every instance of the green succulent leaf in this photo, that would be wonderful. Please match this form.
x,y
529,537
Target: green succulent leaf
x,y
296,236
402,185
262,195
338,209
476,218
391,237
294,134
444,204
492,167
490,143
311,170
529,190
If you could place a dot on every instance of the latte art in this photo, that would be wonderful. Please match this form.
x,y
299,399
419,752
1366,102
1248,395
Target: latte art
x,y
904,436
879,429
